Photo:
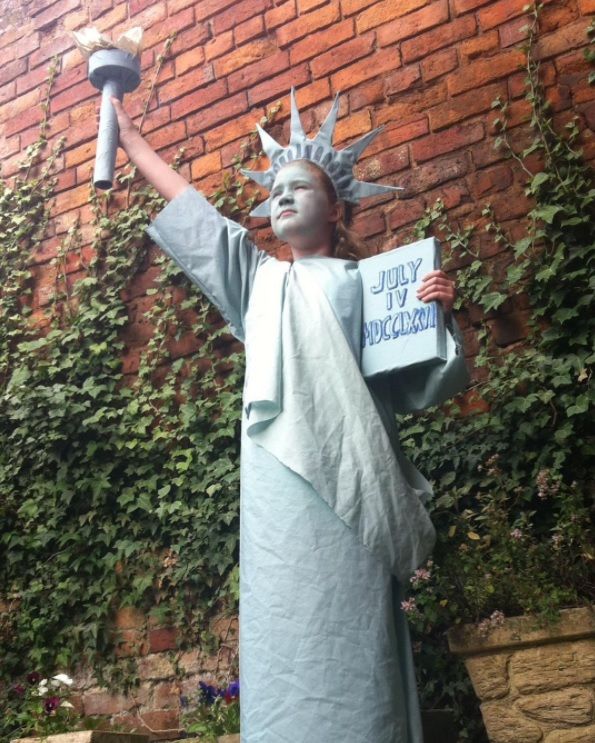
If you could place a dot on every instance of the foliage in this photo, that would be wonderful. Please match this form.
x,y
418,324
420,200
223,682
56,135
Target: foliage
x,y
84,437
214,711
512,479
38,706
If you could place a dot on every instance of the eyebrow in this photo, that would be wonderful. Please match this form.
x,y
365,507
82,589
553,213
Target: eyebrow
x,y
294,182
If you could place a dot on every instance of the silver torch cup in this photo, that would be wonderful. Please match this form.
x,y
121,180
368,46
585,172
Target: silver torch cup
x,y
114,72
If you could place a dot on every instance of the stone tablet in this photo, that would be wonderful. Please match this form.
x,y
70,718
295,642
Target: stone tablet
x,y
398,329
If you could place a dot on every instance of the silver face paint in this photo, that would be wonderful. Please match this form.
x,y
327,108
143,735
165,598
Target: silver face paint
x,y
301,213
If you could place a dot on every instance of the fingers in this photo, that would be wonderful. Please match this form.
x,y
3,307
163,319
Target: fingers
x,y
437,286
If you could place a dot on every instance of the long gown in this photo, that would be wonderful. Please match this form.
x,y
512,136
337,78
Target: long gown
x,y
332,516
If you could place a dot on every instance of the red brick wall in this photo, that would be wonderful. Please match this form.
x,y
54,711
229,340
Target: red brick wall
x,y
427,70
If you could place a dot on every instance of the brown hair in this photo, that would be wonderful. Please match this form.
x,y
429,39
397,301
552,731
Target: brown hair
x,y
346,243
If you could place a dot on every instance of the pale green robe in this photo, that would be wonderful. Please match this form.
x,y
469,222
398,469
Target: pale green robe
x,y
331,513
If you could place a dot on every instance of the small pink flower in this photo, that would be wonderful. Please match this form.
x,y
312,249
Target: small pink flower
x,y
421,575
516,534
409,606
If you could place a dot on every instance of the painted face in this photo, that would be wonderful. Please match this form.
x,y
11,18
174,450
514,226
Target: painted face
x,y
301,213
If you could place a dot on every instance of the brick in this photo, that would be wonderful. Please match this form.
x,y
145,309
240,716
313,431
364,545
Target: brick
x,y
198,99
159,31
80,154
404,212
414,23
98,8
163,722
464,6
315,92
173,133
215,114
318,43
366,94
130,643
239,12
206,165
279,15
408,105
163,638
166,695
21,48
12,70
458,136
254,73
8,146
478,45
465,105
499,12
342,54
185,83
46,51
106,22
396,134
23,120
73,96
433,173
219,45
384,164
69,78
439,64
383,12
307,24
491,180
562,40
69,200
98,702
33,79
352,126
245,55
402,79
376,64
483,71
349,7
209,8
249,29
189,39
242,126
437,38
135,6
513,33
50,17
369,223
586,6
305,5
278,85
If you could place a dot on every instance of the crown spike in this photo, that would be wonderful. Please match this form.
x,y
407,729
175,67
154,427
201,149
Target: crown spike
x,y
337,164
325,134
297,130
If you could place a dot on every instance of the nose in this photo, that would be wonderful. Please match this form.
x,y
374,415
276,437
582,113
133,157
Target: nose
x,y
286,197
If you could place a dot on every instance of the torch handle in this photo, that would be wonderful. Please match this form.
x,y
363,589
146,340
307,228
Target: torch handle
x,y
107,136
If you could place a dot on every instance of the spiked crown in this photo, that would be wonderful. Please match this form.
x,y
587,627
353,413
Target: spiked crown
x,y
337,164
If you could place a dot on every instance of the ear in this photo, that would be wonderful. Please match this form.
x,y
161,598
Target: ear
x,y
335,212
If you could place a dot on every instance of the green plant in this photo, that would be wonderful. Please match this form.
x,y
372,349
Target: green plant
x,y
38,706
512,479
213,711
83,437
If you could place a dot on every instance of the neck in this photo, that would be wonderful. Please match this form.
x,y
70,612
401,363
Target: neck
x,y
324,250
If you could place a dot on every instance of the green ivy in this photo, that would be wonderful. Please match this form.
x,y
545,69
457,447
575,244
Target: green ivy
x,y
512,480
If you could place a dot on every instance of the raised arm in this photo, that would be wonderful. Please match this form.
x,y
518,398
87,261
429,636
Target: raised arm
x,y
160,175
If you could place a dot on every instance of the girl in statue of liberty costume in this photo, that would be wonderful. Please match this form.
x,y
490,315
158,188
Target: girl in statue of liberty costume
x,y
332,515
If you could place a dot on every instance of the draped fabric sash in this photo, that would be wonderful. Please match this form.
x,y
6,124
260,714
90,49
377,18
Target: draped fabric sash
x,y
308,405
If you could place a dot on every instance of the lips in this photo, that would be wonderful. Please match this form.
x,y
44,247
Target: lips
x,y
286,213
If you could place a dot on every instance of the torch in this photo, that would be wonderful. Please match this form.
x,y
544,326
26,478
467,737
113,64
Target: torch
x,y
114,69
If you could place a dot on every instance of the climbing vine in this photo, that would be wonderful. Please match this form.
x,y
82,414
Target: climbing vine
x,y
513,491
118,480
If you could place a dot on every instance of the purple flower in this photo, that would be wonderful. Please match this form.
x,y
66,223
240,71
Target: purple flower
x,y
50,704
232,692
18,690
184,701
209,692
34,677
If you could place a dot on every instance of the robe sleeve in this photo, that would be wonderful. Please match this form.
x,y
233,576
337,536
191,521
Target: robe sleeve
x,y
420,387
213,251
